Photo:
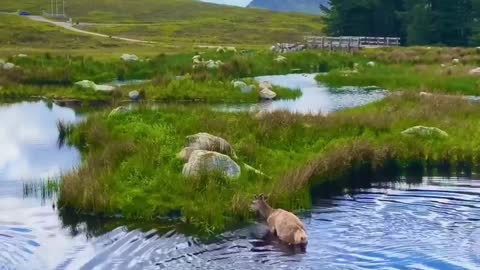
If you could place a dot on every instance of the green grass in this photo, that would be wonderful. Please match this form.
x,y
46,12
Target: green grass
x,y
53,75
130,163
412,69
17,32
182,21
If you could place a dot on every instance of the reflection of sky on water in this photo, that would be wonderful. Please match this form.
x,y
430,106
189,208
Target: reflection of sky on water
x,y
316,98
28,141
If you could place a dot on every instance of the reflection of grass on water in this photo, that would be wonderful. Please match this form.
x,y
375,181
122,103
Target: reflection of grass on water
x,y
45,190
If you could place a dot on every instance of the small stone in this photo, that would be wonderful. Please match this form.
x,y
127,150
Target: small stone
x,y
134,95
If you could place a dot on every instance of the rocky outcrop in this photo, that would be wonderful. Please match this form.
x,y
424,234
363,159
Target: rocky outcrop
x,y
202,161
97,87
425,132
475,71
129,57
208,142
267,94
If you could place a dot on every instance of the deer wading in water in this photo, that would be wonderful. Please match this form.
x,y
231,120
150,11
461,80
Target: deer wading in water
x,y
285,225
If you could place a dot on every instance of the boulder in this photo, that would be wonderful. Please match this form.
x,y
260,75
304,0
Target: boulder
x,y
280,59
456,61
118,110
196,57
265,85
422,131
205,141
186,153
232,49
267,94
86,84
202,161
238,84
211,64
8,66
129,57
21,55
91,85
104,88
134,95
371,64
475,71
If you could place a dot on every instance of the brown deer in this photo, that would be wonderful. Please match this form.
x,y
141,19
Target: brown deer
x,y
285,225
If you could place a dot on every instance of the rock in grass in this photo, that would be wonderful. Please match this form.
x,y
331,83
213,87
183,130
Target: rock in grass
x,y
8,66
97,87
202,161
371,64
134,95
475,71
129,57
265,85
456,61
239,84
86,84
209,142
118,110
104,88
186,153
267,94
422,131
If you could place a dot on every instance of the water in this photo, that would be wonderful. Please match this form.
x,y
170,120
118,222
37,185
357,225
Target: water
x,y
316,98
431,224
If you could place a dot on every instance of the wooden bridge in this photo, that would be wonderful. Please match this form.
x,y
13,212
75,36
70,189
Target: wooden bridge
x,y
338,43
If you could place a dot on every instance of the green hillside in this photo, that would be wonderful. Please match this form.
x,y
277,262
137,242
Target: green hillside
x,y
180,20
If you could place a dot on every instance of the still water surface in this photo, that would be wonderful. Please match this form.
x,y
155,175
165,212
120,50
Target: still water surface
x,y
432,224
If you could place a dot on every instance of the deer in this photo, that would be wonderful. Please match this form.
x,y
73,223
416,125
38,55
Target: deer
x,y
281,223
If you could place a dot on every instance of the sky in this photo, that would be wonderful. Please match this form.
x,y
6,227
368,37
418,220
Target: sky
x,y
241,3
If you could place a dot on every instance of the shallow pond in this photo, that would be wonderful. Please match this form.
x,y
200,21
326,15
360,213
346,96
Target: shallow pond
x,y
316,98
430,224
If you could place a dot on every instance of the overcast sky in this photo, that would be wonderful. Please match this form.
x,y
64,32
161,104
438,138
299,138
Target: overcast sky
x,y
241,3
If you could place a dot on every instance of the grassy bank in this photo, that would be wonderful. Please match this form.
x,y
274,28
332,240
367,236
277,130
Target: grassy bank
x,y
53,75
444,70
130,163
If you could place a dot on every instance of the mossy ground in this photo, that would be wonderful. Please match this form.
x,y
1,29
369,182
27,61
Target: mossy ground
x,y
130,165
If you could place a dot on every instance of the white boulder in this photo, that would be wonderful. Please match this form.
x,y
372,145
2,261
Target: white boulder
x,y
238,84
209,142
422,131
456,61
8,66
202,161
232,49
21,55
129,57
265,85
267,94
475,71
371,64
97,87
134,95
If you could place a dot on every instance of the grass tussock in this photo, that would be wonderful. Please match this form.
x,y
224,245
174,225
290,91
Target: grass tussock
x,y
131,168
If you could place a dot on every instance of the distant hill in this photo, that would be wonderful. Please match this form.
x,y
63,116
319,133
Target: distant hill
x,y
180,21
300,6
